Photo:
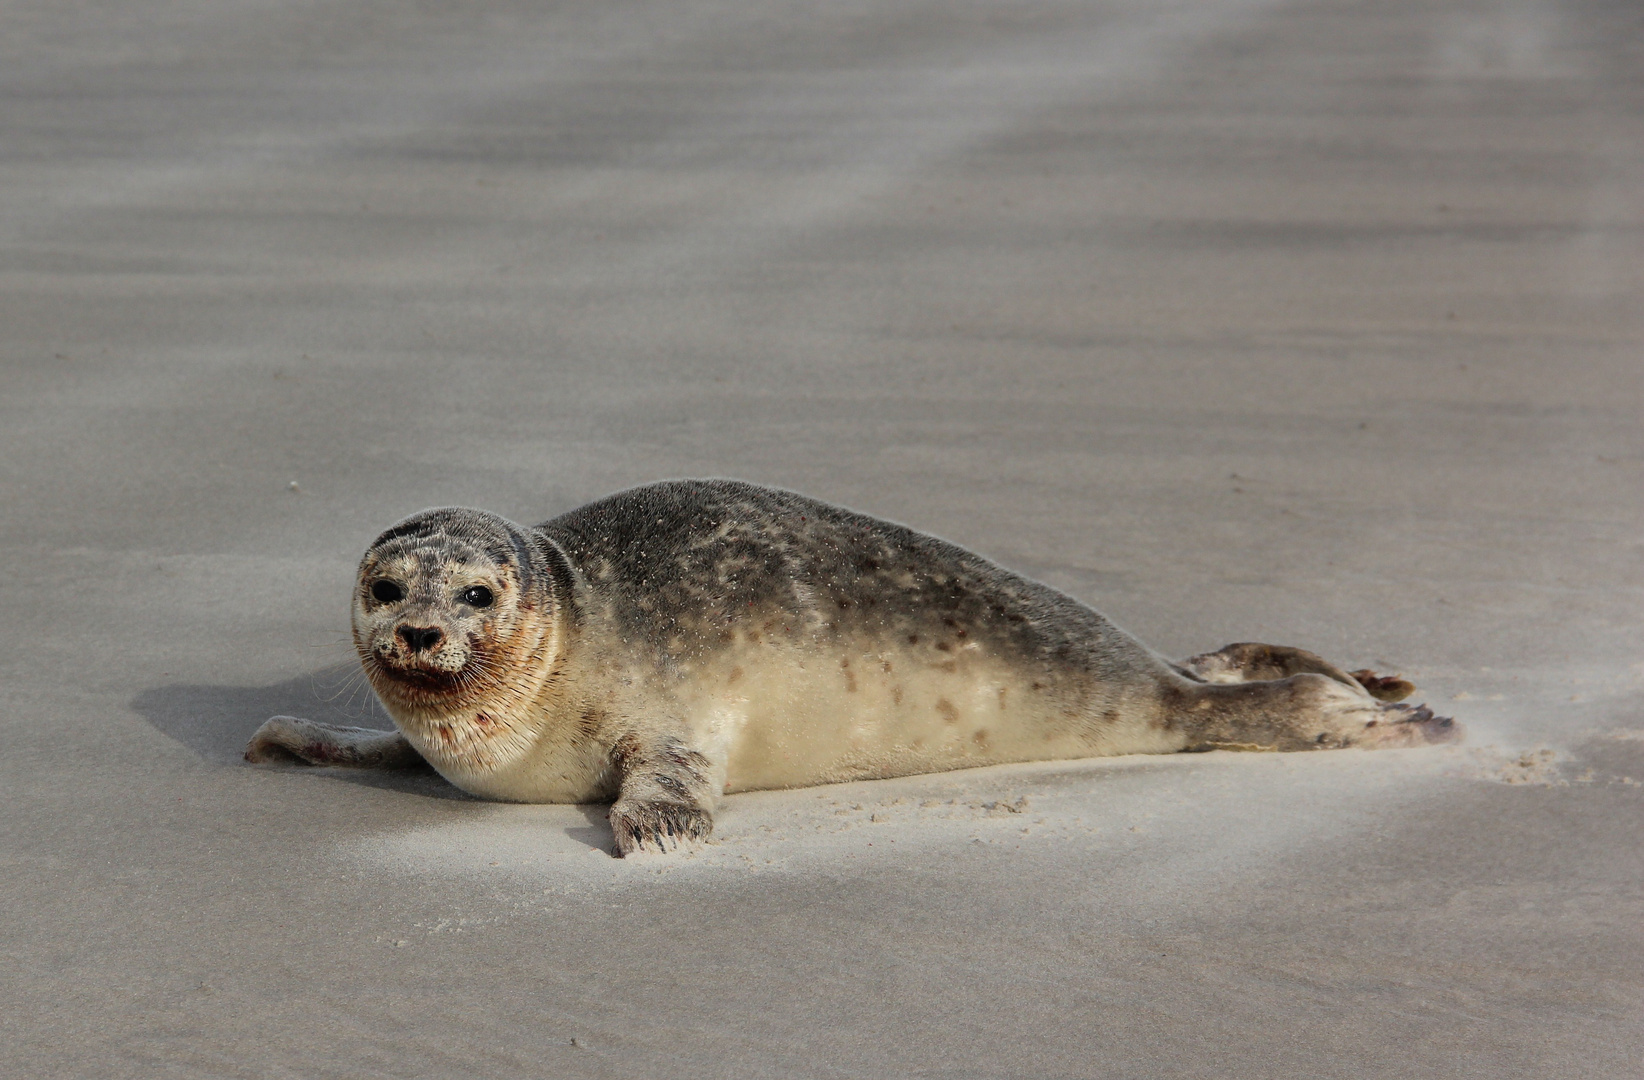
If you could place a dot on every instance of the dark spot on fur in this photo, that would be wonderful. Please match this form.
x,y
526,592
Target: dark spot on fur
x,y
980,737
686,758
736,673
318,752
944,646
913,639
950,714
624,749
588,723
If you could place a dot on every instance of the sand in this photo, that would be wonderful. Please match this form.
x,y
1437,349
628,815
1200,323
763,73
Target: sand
x,y
1316,322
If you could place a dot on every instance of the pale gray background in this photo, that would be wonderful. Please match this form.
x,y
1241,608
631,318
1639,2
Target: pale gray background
x,y
1316,322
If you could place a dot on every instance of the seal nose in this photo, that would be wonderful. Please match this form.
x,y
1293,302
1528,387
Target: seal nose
x,y
419,638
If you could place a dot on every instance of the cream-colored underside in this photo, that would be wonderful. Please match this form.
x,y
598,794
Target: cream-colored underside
x,y
783,717
775,714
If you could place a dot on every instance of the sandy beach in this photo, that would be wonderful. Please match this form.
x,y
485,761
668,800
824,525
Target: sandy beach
x,y
1319,323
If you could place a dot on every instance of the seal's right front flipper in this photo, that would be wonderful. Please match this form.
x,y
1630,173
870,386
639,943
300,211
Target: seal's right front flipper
x,y
667,795
290,740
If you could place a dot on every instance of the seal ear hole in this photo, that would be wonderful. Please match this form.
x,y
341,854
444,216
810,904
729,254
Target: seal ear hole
x,y
477,596
386,592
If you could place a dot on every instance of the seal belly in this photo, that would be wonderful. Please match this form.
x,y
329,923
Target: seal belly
x,y
789,716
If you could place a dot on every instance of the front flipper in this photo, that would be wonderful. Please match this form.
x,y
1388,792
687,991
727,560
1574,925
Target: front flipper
x,y
290,740
666,798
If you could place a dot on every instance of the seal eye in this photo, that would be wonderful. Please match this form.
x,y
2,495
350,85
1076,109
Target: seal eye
x,y
478,596
386,592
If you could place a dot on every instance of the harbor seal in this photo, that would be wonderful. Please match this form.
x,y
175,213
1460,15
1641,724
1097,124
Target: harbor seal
x,y
676,641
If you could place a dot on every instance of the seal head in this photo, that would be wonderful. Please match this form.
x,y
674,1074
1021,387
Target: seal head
x,y
447,604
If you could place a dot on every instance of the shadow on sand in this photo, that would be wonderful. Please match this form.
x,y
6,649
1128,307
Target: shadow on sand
x,y
216,722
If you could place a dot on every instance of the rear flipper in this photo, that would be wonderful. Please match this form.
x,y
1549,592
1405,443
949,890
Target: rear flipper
x,y
291,741
1383,687
1252,661
1309,711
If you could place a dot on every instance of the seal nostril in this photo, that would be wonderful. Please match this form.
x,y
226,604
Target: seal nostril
x,y
418,638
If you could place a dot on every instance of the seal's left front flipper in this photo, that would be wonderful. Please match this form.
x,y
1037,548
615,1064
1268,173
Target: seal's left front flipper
x,y
291,740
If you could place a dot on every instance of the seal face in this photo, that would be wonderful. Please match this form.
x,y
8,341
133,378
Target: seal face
x,y
679,640
452,627
438,605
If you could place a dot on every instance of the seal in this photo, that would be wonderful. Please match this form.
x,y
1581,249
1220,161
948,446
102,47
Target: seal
x,y
676,641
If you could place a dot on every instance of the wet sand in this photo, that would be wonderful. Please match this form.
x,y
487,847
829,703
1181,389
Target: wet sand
x,y
1314,323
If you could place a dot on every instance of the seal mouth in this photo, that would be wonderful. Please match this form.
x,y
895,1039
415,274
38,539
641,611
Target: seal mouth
x,y
428,680
431,678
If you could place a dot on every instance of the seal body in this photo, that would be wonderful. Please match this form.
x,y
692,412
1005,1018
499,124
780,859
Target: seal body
x,y
682,639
